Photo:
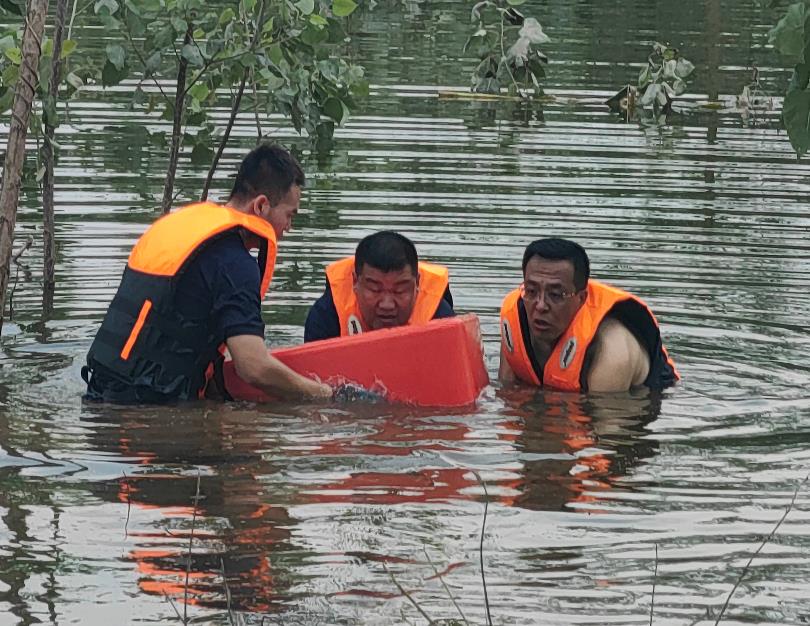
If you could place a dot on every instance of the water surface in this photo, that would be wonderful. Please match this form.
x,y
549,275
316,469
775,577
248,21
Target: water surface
x,y
318,514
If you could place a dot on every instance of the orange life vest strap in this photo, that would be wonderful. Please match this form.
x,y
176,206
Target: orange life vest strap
x,y
513,345
166,246
433,282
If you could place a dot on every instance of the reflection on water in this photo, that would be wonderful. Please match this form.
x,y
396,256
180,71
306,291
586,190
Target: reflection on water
x,y
302,509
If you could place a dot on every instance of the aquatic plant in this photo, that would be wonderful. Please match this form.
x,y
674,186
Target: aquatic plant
x,y
660,81
791,38
520,66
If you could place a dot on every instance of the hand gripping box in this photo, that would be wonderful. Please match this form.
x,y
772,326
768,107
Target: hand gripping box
x,y
439,364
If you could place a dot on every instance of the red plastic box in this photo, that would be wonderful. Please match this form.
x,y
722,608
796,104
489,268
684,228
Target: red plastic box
x,y
437,364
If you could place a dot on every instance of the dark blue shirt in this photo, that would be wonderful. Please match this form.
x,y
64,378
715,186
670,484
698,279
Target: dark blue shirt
x,y
222,284
323,322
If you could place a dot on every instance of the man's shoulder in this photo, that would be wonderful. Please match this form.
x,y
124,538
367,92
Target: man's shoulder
x,y
322,318
619,355
229,253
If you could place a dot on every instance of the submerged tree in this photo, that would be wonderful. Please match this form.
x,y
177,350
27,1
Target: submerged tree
x,y
21,102
282,50
286,53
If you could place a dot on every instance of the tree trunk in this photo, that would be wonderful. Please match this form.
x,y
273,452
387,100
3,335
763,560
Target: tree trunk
x,y
15,153
48,230
225,136
179,101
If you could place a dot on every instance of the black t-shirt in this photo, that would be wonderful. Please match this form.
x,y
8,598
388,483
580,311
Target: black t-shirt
x,y
222,284
323,322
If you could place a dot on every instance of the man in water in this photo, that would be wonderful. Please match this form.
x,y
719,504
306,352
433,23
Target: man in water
x,y
383,285
191,288
563,330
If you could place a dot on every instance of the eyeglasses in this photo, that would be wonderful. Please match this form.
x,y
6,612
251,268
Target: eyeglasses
x,y
552,297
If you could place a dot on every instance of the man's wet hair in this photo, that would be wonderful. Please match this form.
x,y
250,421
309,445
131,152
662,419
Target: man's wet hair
x,y
268,169
556,249
387,251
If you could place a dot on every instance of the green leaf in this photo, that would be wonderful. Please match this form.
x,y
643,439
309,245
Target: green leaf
x,y
17,7
248,5
199,91
343,8
313,35
202,154
116,55
192,54
158,139
14,55
7,42
153,62
515,3
5,100
318,21
227,16
74,81
796,116
108,21
275,54
110,5
112,75
179,25
305,6
335,109
788,36
68,46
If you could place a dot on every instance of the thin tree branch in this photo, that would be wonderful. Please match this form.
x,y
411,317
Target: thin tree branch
x,y
762,545
138,53
655,576
481,544
446,588
406,594
190,542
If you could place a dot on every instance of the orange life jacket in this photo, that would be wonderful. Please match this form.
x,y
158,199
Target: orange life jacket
x,y
433,282
143,341
567,367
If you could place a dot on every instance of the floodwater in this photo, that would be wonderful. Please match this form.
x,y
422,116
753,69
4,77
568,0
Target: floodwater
x,y
328,514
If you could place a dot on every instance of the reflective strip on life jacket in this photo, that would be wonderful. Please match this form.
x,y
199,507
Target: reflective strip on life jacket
x,y
433,282
563,369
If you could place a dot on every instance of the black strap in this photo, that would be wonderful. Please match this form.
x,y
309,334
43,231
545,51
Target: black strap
x,y
526,336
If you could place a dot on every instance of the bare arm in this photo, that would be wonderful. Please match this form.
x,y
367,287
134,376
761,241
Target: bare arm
x,y
505,373
257,367
621,362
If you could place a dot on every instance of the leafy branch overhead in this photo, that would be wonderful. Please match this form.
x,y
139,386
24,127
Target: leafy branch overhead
x,y
791,38
287,49
507,46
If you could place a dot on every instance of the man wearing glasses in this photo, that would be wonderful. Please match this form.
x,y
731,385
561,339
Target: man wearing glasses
x,y
383,285
562,330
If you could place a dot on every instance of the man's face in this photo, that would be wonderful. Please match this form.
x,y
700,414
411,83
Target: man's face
x,y
385,299
550,298
280,216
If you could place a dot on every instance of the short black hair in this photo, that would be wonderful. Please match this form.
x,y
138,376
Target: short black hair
x,y
556,249
268,169
387,251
